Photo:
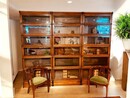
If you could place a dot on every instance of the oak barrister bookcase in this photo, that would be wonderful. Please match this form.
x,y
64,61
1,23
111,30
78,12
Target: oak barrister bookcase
x,y
68,43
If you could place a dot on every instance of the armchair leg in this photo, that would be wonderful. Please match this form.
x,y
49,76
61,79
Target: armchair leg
x,y
96,86
48,86
28,89
33,94
106,90
33,91
88,86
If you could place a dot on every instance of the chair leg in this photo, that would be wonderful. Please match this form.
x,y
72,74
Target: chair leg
x,y
33,91
48,86
96,85
88,86
28,89
106,90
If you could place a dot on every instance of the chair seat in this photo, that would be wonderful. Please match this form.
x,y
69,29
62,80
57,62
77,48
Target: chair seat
x,y
99,80
38,80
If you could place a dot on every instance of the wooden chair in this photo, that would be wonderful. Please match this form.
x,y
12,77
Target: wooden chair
x,y
99,75
37,76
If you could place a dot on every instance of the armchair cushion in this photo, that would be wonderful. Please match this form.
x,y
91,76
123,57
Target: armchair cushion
x,y
99,80
38,80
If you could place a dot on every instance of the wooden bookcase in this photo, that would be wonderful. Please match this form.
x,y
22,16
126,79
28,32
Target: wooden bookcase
x,y
69,43
96,40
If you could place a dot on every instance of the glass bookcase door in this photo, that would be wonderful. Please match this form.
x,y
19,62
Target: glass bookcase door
x,y
66,62
95,61
101,39
97,29
67,30
45,40
37,62
95,50
36,29
37,51
97,25
67,40
36,19
67,51
97,19
66,19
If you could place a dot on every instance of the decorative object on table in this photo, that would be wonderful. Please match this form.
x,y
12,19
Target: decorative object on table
x,y
72,31
39,42
32,52
28,40
60,51
94,30
58,31
71,41
57,40
122,28
46,52
98,51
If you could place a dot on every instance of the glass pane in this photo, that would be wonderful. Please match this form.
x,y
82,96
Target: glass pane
x,y
68,40
99,29
67,30
96,40
67,62
101,19
67,51
43,52
103,29
36,19
36,62
67,19
95,50
94,61
90,30
37,40
60,74
36,29
72,73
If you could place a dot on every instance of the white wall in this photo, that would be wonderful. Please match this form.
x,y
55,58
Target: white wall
x,y
62,5
15,47
6,81
121,7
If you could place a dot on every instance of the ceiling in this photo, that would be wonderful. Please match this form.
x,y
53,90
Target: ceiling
x,y
58,5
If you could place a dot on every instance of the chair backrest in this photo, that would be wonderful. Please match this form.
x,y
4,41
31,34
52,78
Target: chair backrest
x,y
100,71
41,71
36,71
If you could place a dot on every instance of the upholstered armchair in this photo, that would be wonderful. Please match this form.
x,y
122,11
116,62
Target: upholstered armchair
x,y
37,76
99,75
